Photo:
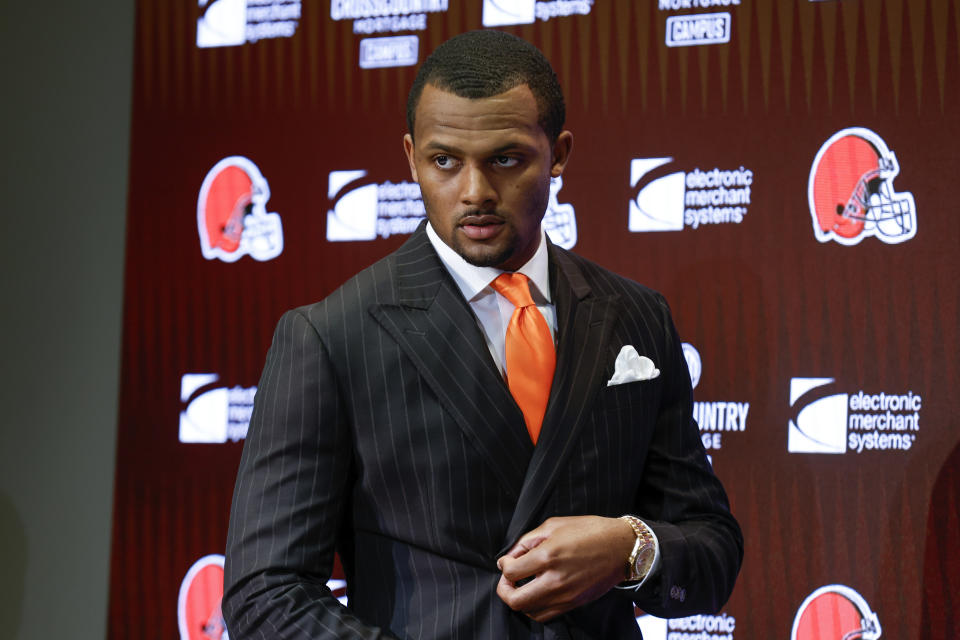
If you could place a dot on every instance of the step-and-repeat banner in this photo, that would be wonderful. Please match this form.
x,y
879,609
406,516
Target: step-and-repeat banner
x,y
784,171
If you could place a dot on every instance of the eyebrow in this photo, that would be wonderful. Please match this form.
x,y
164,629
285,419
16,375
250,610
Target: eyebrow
x,y
510,146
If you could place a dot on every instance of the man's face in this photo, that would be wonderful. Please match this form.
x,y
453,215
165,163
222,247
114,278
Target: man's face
x,y
484,169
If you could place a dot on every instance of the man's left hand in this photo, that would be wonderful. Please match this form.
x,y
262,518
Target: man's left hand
x,y
570,561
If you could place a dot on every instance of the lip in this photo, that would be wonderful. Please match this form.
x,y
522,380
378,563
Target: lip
x,y
481,227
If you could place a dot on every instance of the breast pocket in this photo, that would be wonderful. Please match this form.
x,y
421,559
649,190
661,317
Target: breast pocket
x,y
629,395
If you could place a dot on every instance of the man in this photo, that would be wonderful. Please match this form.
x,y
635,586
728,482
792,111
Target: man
x,y
467,455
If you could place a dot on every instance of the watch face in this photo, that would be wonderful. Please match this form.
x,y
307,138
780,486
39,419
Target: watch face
x,y
641,566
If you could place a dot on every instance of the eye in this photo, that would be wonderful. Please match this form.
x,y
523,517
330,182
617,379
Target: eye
x,y
444,162
505,161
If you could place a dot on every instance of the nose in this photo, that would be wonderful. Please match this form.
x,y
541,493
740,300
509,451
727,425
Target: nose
x,y
477,189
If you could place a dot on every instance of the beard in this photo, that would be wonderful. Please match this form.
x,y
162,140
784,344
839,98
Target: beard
x,y
512,243
487,256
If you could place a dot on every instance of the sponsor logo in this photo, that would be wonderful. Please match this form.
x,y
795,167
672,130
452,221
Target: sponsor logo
x,y
825,420
652,627
700,627
198,605
835,611
851,193
364,210
668,200
559,220
698,29
694,364
497,13
820,424
676,5
229,23
213,414
392,51
715,418
232,217
386,16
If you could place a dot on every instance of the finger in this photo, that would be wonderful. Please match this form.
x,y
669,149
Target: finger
x,y
530,539
523,546
539,594
506,591
534,537
528,565
526,543
519,595
546,600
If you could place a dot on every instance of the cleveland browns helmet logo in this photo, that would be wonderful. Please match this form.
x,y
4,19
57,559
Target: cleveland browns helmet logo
x,y
198,607
231,213
835,612
851,193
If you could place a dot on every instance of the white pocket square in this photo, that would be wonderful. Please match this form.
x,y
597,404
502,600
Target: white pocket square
x,y
631,367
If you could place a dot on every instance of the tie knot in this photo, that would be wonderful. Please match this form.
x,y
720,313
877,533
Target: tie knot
x,y
514,287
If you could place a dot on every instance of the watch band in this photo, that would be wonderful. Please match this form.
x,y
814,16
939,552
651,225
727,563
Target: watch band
x,y
643,553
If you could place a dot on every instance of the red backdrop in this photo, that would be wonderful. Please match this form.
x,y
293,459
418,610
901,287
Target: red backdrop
x,y
773,311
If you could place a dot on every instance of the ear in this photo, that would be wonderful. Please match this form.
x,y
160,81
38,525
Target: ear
x,y
408,148
561,153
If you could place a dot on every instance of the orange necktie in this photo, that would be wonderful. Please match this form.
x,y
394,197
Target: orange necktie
x,y
531,357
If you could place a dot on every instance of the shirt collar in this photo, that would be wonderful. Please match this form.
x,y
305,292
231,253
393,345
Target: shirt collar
x,y
472,280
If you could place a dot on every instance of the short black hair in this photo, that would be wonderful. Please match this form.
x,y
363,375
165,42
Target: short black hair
x,y
482,64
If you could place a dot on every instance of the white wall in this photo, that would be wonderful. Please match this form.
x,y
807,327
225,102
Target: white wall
x,y
65,69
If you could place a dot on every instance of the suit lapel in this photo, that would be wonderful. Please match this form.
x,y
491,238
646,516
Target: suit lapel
x,y
436,329
585,323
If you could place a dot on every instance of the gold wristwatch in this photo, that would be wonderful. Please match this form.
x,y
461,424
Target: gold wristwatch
x,y
644,550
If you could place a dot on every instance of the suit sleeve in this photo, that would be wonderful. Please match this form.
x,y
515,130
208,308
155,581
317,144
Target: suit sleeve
x,y
289,499
681,499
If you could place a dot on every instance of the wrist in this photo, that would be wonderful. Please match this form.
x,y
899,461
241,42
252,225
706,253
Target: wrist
x,y
643,552
628,540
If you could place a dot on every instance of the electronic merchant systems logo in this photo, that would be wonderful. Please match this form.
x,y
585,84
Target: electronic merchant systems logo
x,y
667,199
699,627
229,23
199,615
825,420
499,13
835,611
851,193
715,418
365,210
213,414
232,217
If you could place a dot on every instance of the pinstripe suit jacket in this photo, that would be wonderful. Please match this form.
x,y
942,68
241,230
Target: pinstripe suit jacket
x,y
383,430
